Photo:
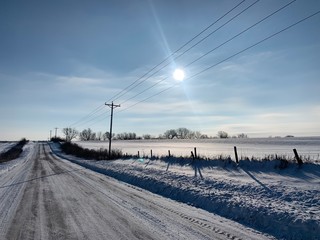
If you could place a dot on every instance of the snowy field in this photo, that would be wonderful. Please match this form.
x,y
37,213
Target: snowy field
x,y
284,203
257,147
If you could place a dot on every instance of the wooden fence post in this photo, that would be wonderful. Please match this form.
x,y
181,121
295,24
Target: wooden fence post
x,y
297,157
151,153
195,152
192,156
236,154
169,153
138,154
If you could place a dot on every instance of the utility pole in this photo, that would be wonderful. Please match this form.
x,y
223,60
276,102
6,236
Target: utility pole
x,y
50,135
56,132
112,106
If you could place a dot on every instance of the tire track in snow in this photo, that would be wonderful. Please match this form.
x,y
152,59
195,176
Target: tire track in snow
x,y
204,225
85,185
62,200
37,208
198,222
154,220
11,191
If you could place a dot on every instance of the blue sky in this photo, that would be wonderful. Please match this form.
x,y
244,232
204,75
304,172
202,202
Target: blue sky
x,y
61,60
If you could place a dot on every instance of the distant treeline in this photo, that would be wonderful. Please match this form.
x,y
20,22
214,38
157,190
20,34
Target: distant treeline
x,y
179,133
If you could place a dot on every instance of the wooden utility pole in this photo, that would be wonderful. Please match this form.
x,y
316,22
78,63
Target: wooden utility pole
x,y
56,132
112,106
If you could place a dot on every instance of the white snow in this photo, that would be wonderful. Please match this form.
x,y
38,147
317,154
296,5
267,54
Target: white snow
x,y
24,156
4,146
13,175
282,202
307,147
51,198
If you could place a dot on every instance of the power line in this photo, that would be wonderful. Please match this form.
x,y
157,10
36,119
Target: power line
x,y
257,43
226,59
220,61
166,89
85,119
125,90
93,112
242,32
194,45
152,86
93,119
234,17
225,42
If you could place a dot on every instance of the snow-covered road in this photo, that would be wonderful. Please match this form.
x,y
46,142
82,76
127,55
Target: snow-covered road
x,y
47,197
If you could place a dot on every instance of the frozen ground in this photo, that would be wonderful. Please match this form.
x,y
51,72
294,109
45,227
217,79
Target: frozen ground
x,y
284,203
46,197
308,147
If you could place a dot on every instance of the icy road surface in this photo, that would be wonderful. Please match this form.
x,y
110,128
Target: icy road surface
x,y
46,197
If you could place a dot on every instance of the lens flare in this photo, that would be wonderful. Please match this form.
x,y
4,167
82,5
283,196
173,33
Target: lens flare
x,y
178,74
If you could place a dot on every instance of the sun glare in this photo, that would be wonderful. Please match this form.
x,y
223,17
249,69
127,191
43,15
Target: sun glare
x,y
178,74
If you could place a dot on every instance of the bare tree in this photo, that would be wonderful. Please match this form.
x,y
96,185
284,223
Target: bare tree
x,y
132,136
242,135
99,136
197,135
146,136
223,134
105,136
183,133
204,136
170,134
93,136
70,133
127,136
87,135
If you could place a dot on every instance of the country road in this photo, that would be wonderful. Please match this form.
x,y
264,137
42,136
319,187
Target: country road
x,y
50,198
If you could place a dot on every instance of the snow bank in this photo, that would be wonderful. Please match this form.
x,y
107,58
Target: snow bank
x,y
28,151
4,146
284,203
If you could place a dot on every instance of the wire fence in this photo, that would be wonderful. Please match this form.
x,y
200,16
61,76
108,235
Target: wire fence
x,y
307,148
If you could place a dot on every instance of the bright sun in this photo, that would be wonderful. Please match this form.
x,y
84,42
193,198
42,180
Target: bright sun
x,y
178,74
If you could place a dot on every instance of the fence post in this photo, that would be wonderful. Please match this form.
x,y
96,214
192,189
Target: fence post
x,y
195,152
192,156
297,157
236,154
151,153
138,154
169,153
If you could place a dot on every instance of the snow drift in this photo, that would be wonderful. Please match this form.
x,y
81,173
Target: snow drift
x,y
282,202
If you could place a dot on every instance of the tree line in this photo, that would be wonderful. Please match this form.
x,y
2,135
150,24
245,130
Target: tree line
x,y
179,133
